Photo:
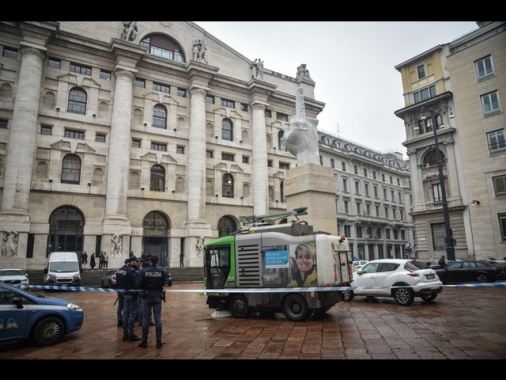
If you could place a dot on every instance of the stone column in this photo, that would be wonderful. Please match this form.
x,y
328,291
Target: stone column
x,y
21,146
119,147
259,171
196,154
451,171
417,182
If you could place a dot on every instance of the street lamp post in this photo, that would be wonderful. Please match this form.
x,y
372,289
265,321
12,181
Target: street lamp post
x,y
450,249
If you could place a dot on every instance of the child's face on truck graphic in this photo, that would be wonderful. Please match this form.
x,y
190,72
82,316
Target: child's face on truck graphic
x,y
305,260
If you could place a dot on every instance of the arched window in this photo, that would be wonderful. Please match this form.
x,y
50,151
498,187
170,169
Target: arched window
x,y
226,226
159,117
163,46
227,186
282,191
157,182
430,158
71,169
77,101
226,130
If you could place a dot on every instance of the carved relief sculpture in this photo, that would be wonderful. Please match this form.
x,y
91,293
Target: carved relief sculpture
x,y
199,51
116,245
10,247
257,69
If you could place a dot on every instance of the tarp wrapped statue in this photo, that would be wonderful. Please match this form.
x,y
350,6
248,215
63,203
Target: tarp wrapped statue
x,y
301,137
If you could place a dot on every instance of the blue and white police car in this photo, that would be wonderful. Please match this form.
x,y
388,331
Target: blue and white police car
x,y
25,315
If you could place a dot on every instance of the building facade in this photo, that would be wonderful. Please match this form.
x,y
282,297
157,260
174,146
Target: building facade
x,y
153,137
453,95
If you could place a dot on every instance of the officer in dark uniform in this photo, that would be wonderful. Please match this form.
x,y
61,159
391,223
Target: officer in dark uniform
x,y
126,279
151,280
120,300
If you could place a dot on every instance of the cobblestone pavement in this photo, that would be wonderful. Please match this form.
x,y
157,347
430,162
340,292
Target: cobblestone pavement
x,y
462,323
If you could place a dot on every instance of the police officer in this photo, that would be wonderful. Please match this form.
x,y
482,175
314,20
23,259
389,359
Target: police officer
x,y
126,279
151,280
139,299
120,300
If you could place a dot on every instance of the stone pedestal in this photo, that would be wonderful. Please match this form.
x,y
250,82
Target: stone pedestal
x,y
313,186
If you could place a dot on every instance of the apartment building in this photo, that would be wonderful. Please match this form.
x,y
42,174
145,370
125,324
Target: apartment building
x,y
454,125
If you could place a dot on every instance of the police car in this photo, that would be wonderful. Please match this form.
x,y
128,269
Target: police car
x,y
43,320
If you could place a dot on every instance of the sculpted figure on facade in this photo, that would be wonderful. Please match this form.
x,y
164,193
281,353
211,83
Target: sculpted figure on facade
x,y
302,73
10,246
199,51
129,30
116,245
199,245
257,69
301,137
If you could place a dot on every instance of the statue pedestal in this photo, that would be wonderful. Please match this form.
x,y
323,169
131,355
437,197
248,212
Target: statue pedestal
x,y
313,186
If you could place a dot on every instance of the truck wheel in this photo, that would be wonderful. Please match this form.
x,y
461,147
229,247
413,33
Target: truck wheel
x,y
48,331
348,295
239,306
295,308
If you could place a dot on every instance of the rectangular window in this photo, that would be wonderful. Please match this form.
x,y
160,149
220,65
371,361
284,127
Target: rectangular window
x,y
357,187
346,207
345,184
436,192
180,149
281,116
376,191
227,103
347,231
73,134
377,210
209,154
100,137
499,185
401,214
383,177
3,123
355,169
55,63
80,69
421,71
10,52
321,160
490,103
140,83
136,143
181,92
374,174
284,165
368,209
392,196
396,234
403,235
332,163
398,182
244,107
400,196
394,214
385,194
158,146
268,113
245,159
160,87
438,236
391,180
343,166
387,233
484,68
46,130
105,74
227,156
359,231
359,209
386,212
209,99
366,186
496,141
502,225
269,163
365,172
424,94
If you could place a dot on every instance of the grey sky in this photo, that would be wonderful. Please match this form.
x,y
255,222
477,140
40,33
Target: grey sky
x,y
352,63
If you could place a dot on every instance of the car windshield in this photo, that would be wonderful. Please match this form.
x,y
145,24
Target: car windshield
x,y
11,272
64,266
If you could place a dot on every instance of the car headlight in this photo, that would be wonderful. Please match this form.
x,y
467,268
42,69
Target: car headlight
x,y
74,307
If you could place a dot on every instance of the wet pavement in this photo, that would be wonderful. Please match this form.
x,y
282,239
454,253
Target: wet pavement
x,y
462,323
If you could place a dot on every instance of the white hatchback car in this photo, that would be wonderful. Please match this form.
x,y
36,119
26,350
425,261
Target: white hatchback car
x,y
402,279
14,277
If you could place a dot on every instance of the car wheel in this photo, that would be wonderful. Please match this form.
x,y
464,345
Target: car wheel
x,y
348,295
429,297
295,308
404,296
239,306
481,277
48,331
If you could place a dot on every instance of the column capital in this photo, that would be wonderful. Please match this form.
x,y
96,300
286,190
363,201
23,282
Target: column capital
x,y
259,104
196,89
124,72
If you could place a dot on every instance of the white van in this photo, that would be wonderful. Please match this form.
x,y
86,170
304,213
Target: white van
x,y
63,269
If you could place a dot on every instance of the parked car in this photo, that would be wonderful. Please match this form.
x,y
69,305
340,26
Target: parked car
x,y
168,279
402,279
109,279
359,264
29,316
15,277
470,271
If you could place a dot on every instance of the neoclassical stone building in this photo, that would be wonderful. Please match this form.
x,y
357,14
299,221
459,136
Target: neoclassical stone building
x,y
150,137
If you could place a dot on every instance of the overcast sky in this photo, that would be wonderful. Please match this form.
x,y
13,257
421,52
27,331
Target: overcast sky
x,y
352,64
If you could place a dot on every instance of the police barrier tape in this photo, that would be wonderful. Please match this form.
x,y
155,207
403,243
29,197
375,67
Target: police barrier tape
x,y
256,290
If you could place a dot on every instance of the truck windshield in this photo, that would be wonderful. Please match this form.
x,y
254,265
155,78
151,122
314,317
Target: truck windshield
x,y
217,266
64,266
